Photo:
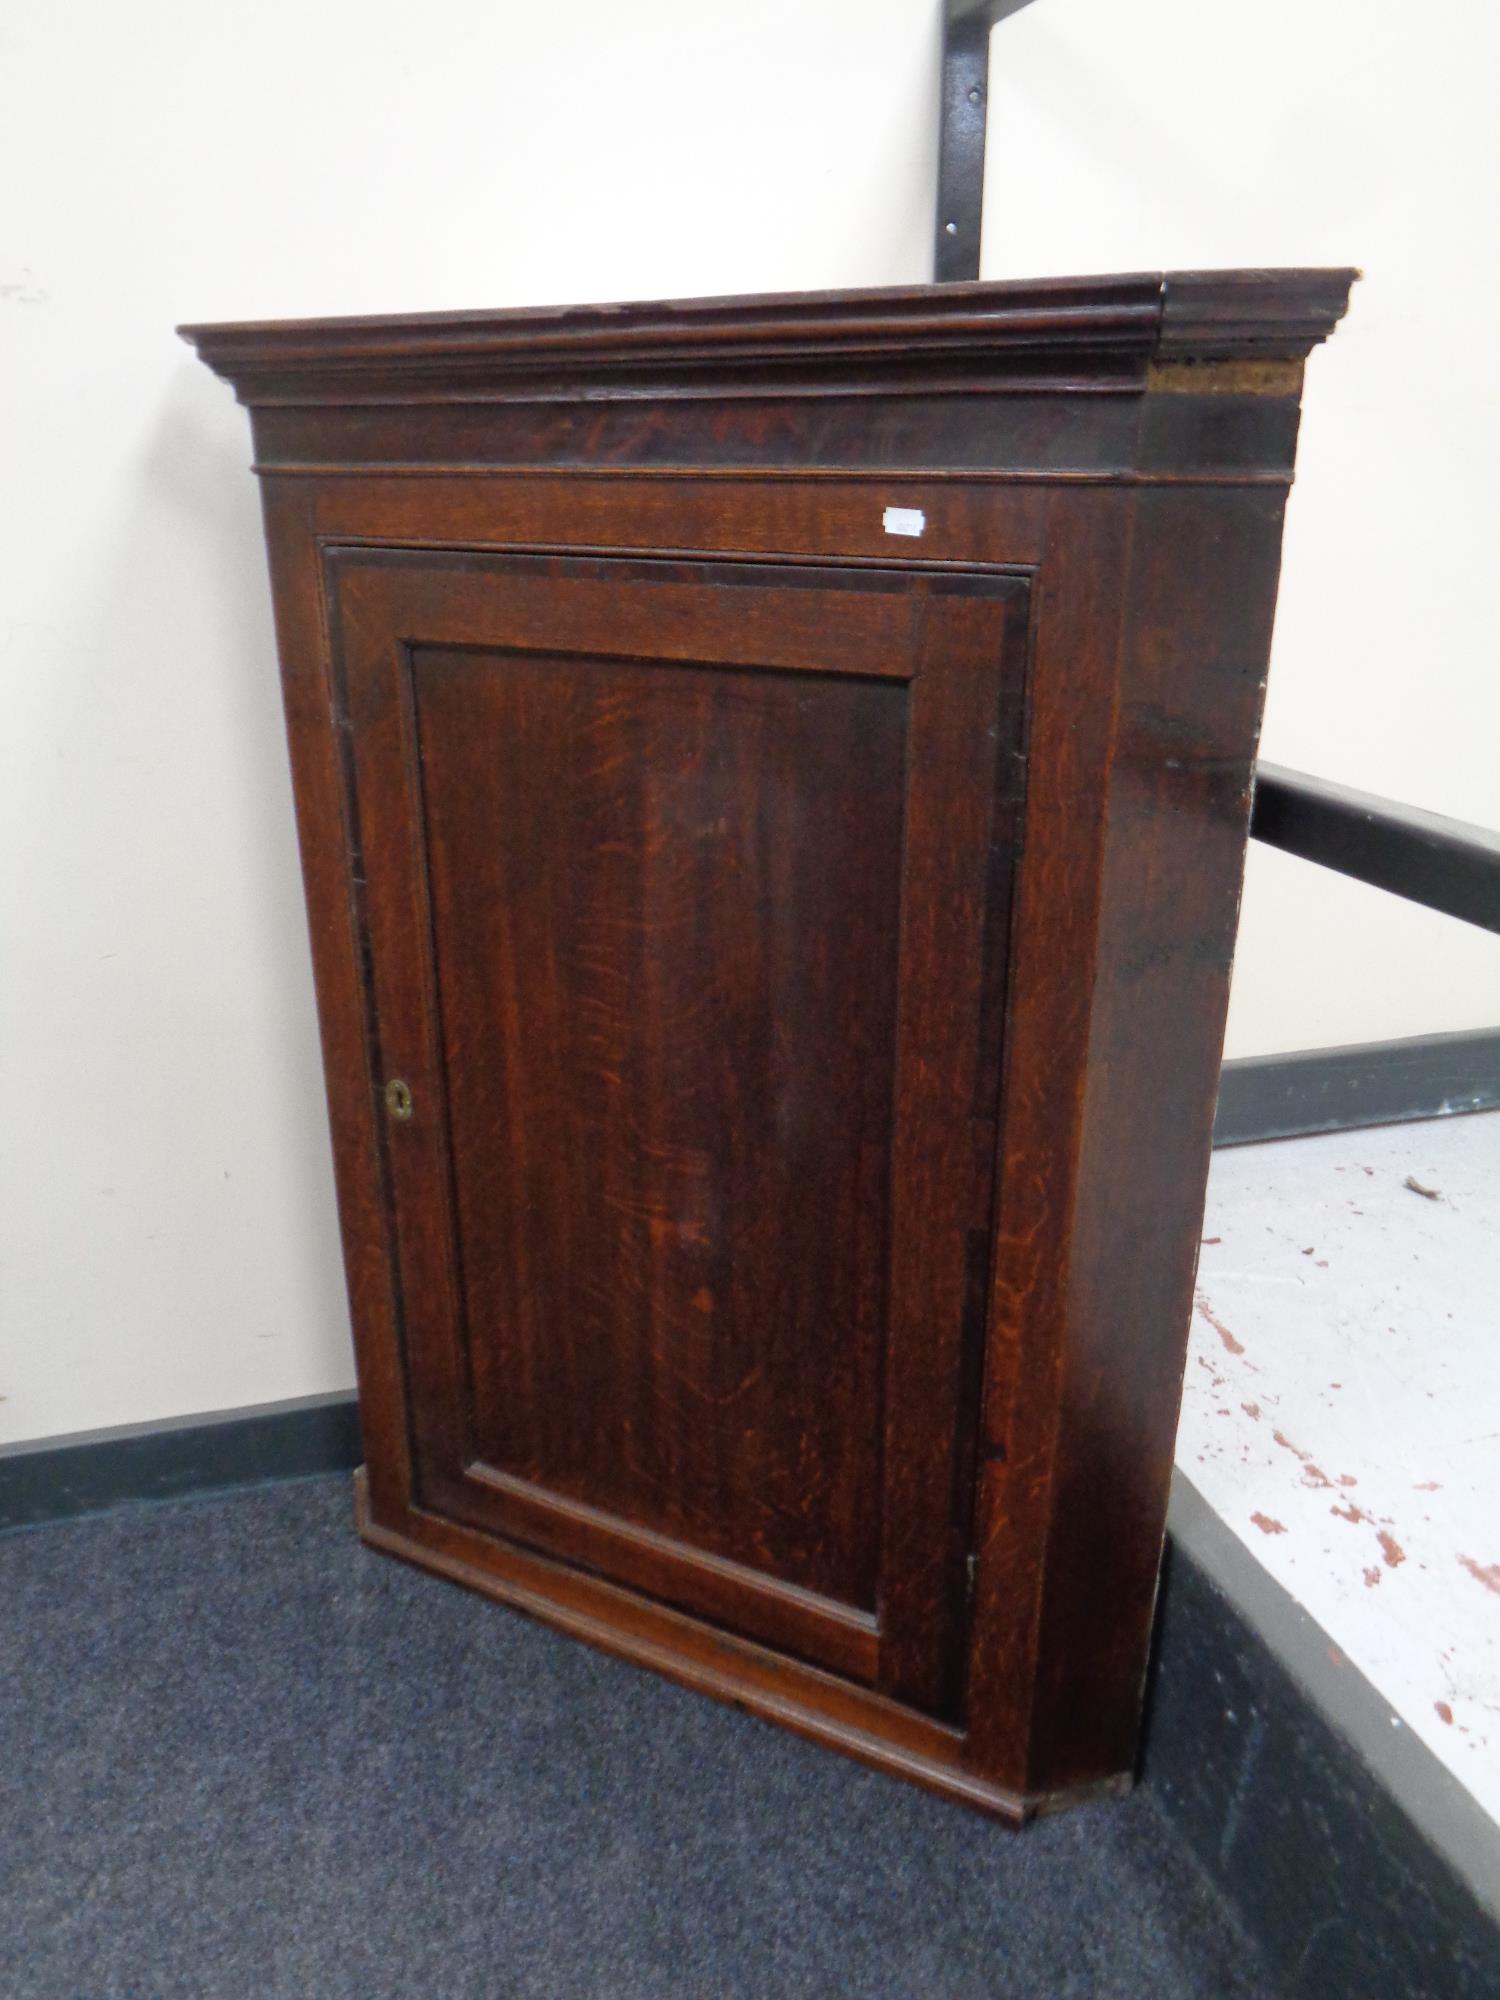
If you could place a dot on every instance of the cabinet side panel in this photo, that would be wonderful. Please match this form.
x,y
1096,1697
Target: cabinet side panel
x,y
1199,604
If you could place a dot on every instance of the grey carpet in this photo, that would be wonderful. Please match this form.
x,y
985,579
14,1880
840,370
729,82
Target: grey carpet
x,y
242,1758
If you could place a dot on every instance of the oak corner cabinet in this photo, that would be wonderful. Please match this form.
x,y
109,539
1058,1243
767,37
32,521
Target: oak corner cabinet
x,y
772,778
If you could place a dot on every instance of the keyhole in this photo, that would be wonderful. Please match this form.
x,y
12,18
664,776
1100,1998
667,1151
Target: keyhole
x,y
398,1098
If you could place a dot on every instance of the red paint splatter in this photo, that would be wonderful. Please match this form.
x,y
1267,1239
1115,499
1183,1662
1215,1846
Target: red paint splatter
x,y
1314,1475
1234,1346
1296,1450
1445,1713
1350,1513
1310,1249
1372,1577
1347,1479
1251,1410
1267,1526
1322,1263
1212,1239
1392,1550
1428,1486
1486,1573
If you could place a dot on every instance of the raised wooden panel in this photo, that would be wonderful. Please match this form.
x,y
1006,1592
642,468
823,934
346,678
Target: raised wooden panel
x,y
666,910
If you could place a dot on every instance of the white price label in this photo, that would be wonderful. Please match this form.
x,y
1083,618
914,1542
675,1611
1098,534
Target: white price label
x,y
904,520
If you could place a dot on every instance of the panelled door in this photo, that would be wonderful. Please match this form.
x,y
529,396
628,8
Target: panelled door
x,y
686,888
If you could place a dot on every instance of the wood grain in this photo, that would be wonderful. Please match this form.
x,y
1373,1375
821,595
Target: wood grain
x,y
687,1225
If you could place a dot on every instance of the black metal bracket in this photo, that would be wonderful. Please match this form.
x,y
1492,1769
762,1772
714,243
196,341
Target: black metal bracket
x,y
1444,863
964,109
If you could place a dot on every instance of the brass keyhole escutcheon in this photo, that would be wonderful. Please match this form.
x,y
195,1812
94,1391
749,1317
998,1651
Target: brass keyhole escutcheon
x,y
398,1098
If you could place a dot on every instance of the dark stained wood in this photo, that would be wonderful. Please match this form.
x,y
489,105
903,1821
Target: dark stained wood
x,y
807,950
675,997
685,1220
1059,329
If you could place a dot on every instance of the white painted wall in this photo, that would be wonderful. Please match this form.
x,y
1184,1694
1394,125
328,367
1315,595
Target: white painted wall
x,y
169,1241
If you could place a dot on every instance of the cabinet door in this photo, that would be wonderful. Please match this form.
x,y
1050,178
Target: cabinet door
x,y
686,892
